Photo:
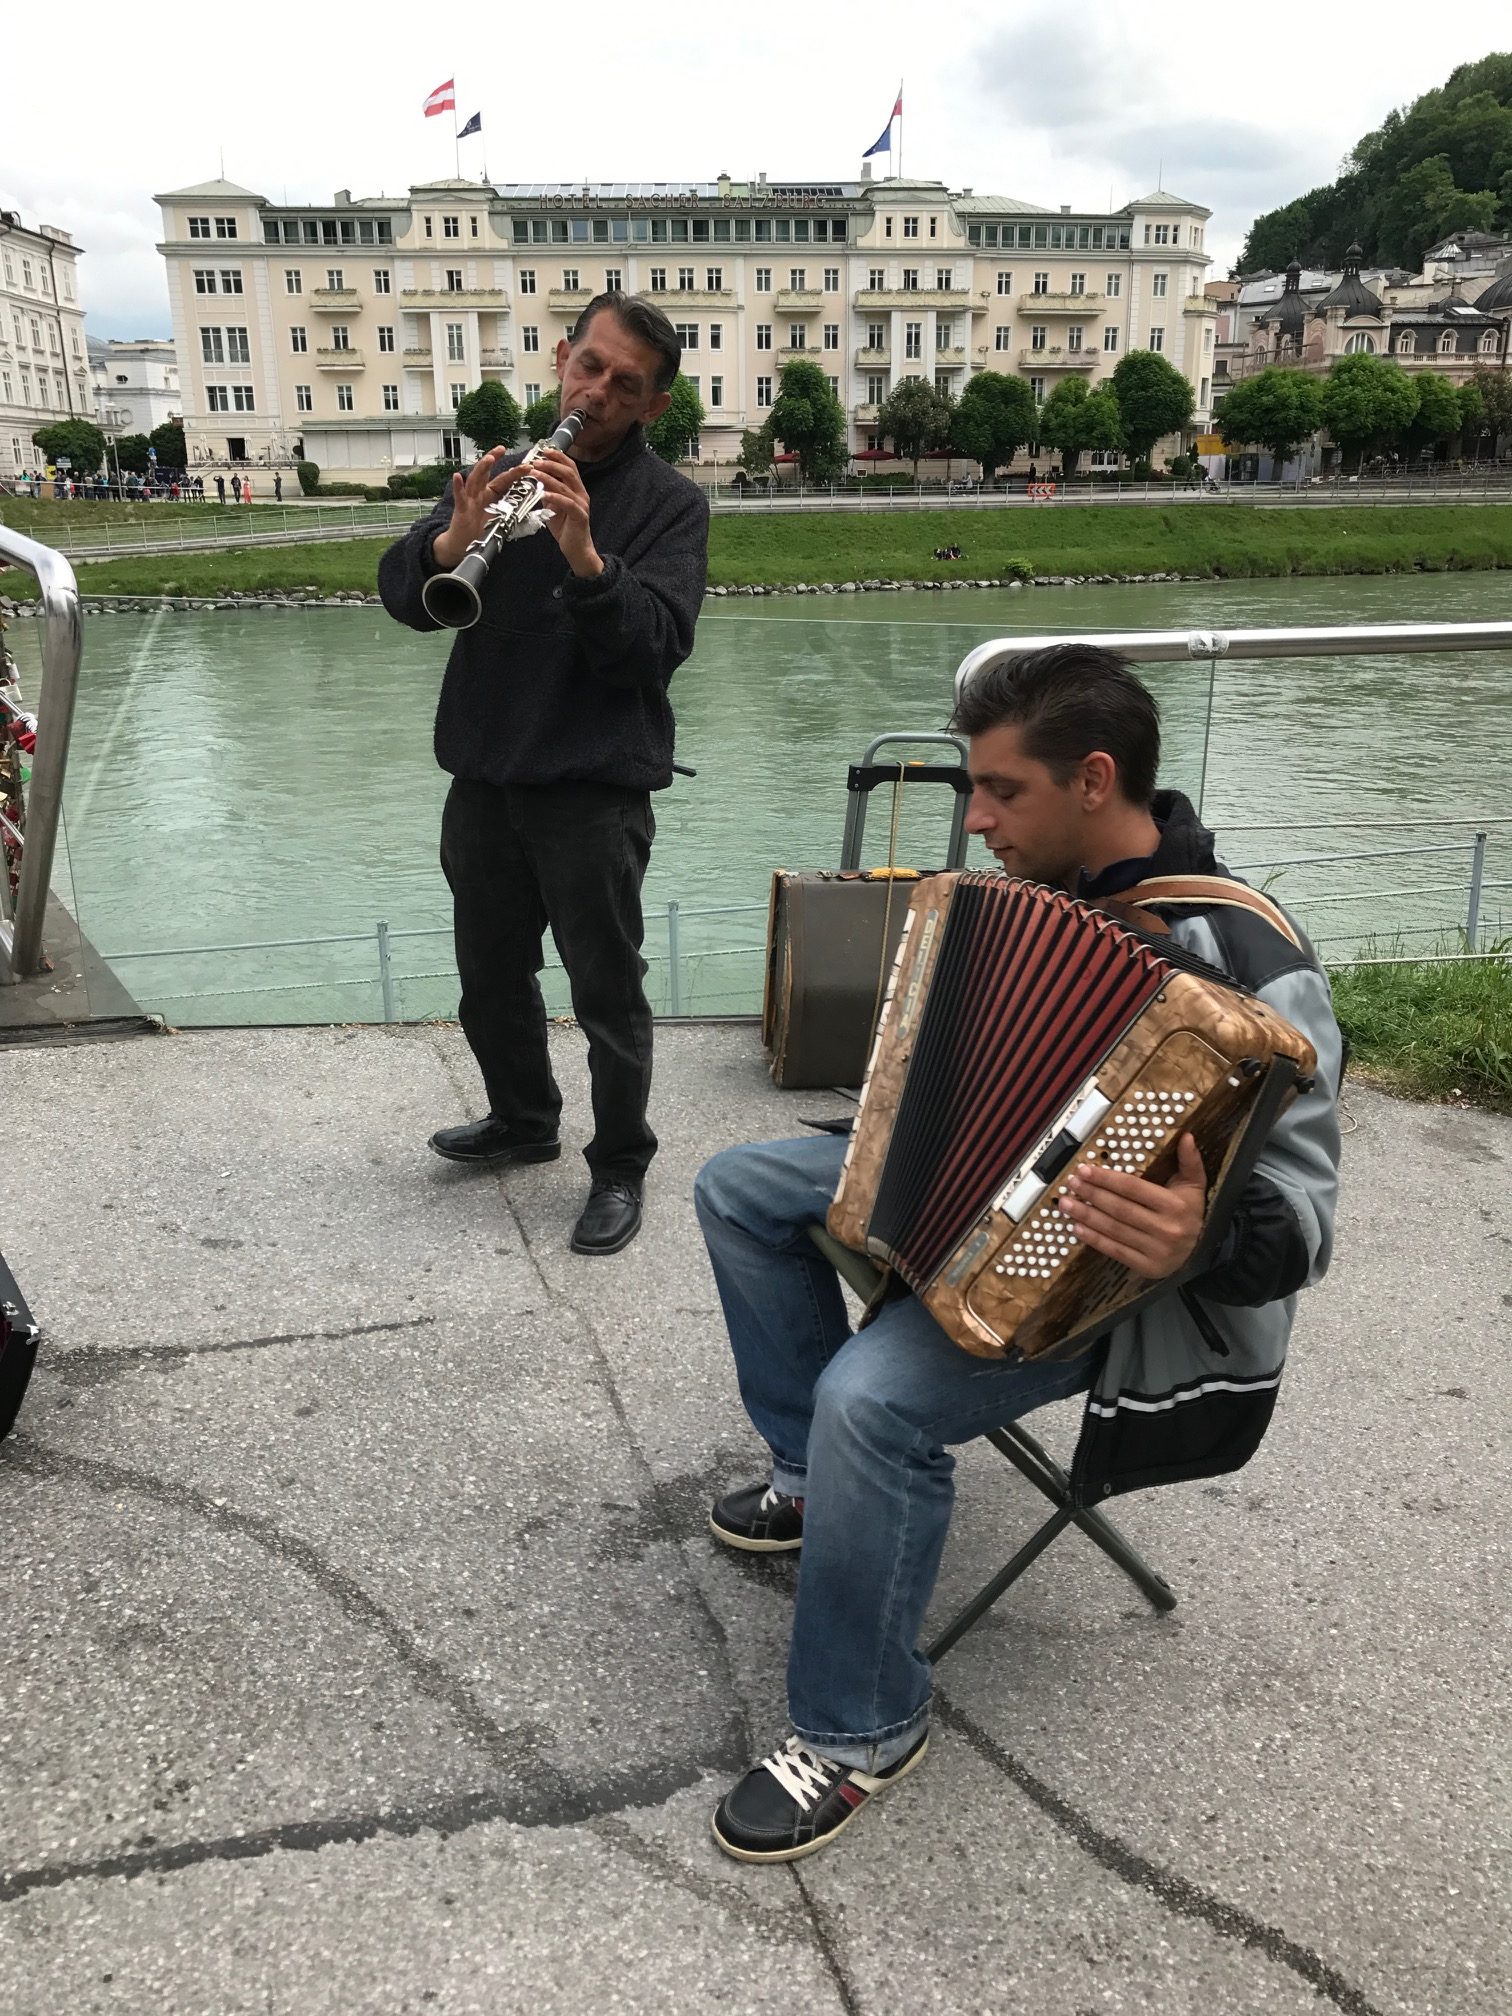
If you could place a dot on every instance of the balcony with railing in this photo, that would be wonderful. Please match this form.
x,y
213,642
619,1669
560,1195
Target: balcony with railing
x,y
1060,304
494,359
418,357
335,300
874,359
340,360
454,297
568,300
670,299
800,353
865,415
950,355
1058,357
922,298
799,300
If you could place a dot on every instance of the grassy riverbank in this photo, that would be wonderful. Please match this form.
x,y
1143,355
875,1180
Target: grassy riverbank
x,y
1219,542
1432,1032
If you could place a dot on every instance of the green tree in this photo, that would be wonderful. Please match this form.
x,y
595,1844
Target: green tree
x,y
915,418
1424,206
172,450
755,455
1495,389
809,421
681,423
1438,409
1074,418
1472,416
1278,409
1275,237
541,416
1367,402
489,417
130,452
993,418
80,441
1153,400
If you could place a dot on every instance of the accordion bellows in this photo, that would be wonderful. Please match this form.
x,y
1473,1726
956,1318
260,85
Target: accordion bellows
x,y
1023,1034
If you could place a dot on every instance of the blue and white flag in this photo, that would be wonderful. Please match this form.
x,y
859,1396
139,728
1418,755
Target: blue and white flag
x,y
474,125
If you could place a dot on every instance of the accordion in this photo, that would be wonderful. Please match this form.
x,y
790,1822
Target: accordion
x,y
1024,1034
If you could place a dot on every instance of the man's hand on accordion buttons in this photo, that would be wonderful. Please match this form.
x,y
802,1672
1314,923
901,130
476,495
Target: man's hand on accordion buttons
x,y
1152,1228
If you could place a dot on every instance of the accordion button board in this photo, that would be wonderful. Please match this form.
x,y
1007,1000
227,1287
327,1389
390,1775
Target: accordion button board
x,y
1023,1036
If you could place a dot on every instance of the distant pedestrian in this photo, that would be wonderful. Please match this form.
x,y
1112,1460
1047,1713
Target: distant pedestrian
x,y
247,490
278,489
236,488
220,488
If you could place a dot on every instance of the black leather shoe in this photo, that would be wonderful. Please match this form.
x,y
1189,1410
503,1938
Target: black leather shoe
x,y
611,1217
491,1141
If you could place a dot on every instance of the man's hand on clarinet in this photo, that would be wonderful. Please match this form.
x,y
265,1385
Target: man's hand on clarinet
x,y
1152,1228
567,501
471,494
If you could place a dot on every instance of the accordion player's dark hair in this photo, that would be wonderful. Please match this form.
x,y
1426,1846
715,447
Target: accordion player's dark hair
x,y
1069,700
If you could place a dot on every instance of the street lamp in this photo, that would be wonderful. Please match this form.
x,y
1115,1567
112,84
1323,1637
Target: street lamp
x,y
114,418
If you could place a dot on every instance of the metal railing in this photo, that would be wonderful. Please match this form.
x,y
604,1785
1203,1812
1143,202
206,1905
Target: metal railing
x,y
62,648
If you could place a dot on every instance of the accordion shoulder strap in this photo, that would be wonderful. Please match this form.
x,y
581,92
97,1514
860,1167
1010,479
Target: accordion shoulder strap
x,y
1206,889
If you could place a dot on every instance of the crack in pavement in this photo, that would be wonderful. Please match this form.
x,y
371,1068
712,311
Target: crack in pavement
x,y
94,1364
1177,1894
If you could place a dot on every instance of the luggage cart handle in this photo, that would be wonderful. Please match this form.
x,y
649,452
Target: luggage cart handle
x,y
862,779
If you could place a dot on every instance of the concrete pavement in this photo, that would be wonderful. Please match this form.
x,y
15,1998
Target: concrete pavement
x,y
362,1647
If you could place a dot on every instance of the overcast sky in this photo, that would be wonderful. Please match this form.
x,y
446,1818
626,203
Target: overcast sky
x,y
1071,104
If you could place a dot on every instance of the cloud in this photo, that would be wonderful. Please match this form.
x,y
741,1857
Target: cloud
x,y
121,277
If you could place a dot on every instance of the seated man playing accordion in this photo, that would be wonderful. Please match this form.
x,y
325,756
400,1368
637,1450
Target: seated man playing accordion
x,y
1064,750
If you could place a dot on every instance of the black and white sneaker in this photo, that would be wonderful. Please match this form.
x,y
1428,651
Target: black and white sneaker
x,y
794,1801
758,1519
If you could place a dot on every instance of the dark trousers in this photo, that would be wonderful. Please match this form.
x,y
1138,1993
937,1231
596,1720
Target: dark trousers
x,y
520,858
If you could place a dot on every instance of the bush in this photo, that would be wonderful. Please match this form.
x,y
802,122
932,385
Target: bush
x,y
431,480
341,490
1015,570
309,477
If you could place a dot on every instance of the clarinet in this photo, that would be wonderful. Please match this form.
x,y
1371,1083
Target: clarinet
x,y
455,600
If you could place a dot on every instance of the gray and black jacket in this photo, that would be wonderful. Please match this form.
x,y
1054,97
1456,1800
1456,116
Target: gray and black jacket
x,y
562,680
1186,1387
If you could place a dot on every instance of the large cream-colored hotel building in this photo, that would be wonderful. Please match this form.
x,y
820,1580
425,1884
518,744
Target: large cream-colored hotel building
x,y
350,331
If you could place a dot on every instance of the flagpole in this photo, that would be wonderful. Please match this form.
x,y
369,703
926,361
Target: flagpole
x,y
900,130
456,143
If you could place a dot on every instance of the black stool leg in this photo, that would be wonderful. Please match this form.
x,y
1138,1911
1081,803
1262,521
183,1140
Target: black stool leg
x,y
1042,1470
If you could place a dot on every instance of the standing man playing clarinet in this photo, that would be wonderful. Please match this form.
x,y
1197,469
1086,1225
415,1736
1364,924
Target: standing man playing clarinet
x,y
555,725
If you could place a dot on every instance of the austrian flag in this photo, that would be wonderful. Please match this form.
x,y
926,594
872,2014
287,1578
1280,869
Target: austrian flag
x,y
442,99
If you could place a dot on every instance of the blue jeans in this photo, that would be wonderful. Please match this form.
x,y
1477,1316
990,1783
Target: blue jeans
x,y
857,1426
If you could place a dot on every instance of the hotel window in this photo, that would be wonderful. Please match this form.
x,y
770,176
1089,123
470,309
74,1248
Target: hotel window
x,y
798,278
458,394
391,398
1004,282
527,280
1042,283
887,227
658,279
569,279
1074,337
714,279
341,337
1113,285
687,334
876,278
238,350
1110,338
913,339
1037,336
1162,234
454,280
1078,283
303,399
942,381
530,337
231,280
1037,387
763,335
451,446
716,391
451,227
26,279
910,279
212,348
386,336
429,228
532,393
1157,339
383,280
832,279
763,391
763,279
876,335
225,227
335,279
242,400
716,335
614,280
455,353
344,399
199,227
834,385
910,227
1158,285
217,398
944,279
1002,337
944,333
1202,399
474,223
293,283
685,279
205,281
797,338
832,335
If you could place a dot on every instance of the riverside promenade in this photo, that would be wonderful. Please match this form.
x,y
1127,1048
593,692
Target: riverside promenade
x,y
363,1648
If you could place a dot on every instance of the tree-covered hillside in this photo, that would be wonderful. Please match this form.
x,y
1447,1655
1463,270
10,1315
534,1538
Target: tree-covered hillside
x,y
1443,165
